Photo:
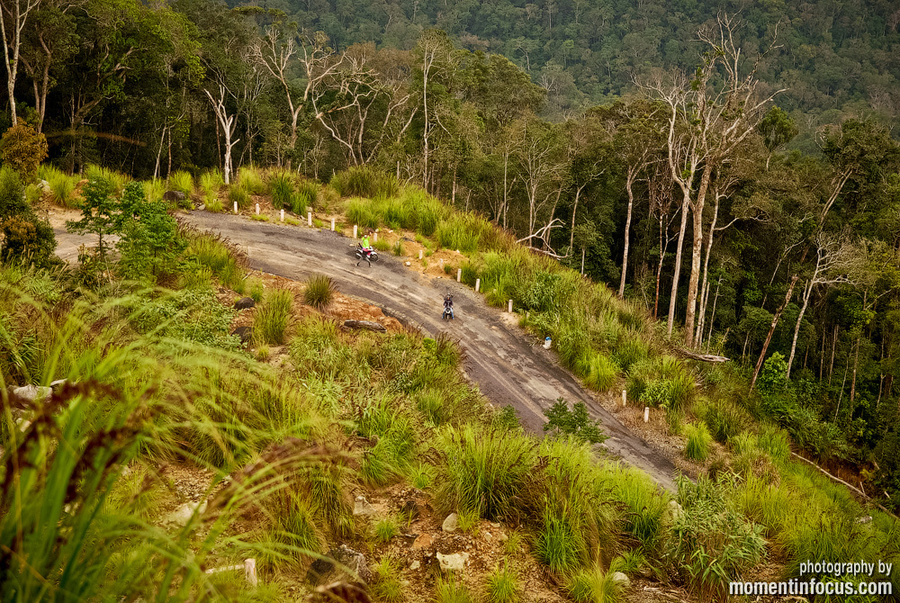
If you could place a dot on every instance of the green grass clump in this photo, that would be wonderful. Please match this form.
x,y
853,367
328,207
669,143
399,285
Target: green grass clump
x,y
385,530
461,231
698,441
387,585
593,585
291,221
182,182
271,318
307,195
502,585
725,418
319,291
397,249
364,181
116,180
237,194
211,181
601,372
448,590
251,180
225,262
62,189
381,245
644,505
154,189
485,471
214,206
361,213
259,218
282,190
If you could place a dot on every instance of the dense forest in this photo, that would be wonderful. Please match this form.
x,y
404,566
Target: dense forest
x,y
650,146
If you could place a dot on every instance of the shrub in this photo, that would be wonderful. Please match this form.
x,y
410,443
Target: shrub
x,y
225,262
23,150
698,440
601,372
364,181
237,194
502,586
775,442
644,505
306,196
712,544
62,190
594,586
214,206
360,212
27,238
631,351
182,182
319,291
773,376
211,182
250,179
154,189
725,419
483,472
575,422
460,231
282,191
381,245
271,318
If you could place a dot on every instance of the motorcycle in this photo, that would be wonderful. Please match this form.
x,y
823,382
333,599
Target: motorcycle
x,y
448,309
361,254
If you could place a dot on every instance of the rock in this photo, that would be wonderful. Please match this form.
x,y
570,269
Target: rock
x,y
621,580
245,333
44,186
33,393
453,563
422,541
362,506
342,563
675,511
866,519
487,536
174,196
244,303
182,515
451,524
365,324
409,263
501,537
415,565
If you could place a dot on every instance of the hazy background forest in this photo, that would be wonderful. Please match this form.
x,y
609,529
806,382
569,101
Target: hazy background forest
x,y
772,166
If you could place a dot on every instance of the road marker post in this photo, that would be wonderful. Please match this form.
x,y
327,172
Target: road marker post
x,y
459,275
354,230
309,218
624,399
235,207
510,307
282,215
257,209
332,224
646,414
477,284
420,254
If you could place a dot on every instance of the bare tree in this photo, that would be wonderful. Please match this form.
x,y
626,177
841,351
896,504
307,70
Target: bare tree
x,y
834,261
17,12
228,122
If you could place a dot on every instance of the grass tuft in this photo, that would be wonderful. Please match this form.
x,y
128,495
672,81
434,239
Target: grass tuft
x,y
271,318
319,291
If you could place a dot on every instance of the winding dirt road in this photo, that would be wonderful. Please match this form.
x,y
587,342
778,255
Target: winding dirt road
x,y
501,359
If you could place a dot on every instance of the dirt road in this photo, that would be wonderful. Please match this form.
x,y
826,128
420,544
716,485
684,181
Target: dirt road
x,y
501,359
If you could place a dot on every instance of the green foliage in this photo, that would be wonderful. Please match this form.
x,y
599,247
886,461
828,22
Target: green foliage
x,y
593,585
237,194
183,182
364,181
282,190
193,315
575,422
773,376
397,249
360,212
698,441
223,261
23,149
25,237
724,418
101,213
712,544
271,319
484,470
448,590
251,180
502,585
62,189
150,243
600,373
387,585
381,245
319,291
385,529
665,382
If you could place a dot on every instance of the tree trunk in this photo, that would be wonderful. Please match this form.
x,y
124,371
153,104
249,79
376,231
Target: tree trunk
x,y
712,317
685,207
822,357
833,348
807,293
775,319
696,254
629,186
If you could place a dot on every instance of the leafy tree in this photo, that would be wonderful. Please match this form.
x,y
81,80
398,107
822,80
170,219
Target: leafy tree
x,y
575,422
150,244
101,213
23,149
24,235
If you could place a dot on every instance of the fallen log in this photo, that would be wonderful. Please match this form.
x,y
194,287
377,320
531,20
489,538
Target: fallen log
x,y
700,357
365,324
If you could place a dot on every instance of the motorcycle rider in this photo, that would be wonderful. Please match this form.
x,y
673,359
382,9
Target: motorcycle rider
x,y
366,249
448,304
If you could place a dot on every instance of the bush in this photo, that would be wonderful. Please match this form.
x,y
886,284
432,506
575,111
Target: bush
x,y
319,291
387,585
385,530
698,441
250,179
601,372
360,212
271,318
27,239
575,422
182,182
282,190
237,194
23,150
62,189
364,181
594,586
225,262
724,418
484,472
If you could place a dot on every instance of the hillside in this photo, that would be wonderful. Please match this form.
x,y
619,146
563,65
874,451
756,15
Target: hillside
x,y
314,437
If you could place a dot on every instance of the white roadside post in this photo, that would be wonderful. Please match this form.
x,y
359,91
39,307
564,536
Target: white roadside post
x,y
459,275
646,414
477,284
510,307
420,254
235,207
257,209
624,398
354,230
282,215
332,224
309,218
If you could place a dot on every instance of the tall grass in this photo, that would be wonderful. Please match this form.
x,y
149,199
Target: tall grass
x,y
62,189
237,194
364,181
502,585
698,441
183,182
319,291
271,319
116,180
154,189
251,180
223,260
593,585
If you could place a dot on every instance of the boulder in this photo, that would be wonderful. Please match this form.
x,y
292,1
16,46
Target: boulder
x,y
174,196
451,524
621,580
181,516
33,393
455,562
245,333
362,507
244,303
676,512
341,563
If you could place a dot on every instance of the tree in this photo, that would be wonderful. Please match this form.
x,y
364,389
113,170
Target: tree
x,y
23,149
13,17
150,244
710,116
100,214
25,237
